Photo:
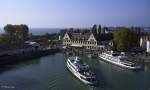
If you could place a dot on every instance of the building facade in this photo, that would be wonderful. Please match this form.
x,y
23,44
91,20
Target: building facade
x,y
145,43
86,40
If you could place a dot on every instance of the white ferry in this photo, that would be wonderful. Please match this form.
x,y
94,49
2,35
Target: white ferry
x,y
81,70
119,60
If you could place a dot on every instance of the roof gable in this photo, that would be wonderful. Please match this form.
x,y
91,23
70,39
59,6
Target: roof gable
x,y
79,36
92,38
66,36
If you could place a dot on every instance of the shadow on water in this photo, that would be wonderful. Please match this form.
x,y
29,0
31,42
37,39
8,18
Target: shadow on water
x,y
7,67
13,66
101,80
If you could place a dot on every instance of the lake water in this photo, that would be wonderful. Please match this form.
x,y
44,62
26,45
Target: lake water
x,y
50,73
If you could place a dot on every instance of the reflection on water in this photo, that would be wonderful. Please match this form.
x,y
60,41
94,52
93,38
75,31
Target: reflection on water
x,y
50,73
5,68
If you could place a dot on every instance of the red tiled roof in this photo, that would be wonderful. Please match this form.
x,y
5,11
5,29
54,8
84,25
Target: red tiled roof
x,y
146,37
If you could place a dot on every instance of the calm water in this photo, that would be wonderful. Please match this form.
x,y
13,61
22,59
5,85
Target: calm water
x,y
50,73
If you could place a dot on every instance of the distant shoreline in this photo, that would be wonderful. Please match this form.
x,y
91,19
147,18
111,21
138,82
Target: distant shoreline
x,y
39,31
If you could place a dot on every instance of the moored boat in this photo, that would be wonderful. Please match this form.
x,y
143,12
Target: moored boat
x,y
92,56
118,60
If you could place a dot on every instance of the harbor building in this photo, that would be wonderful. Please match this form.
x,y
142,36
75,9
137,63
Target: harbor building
x,y
85,40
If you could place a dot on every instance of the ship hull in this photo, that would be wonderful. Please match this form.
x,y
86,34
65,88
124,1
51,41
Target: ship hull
x,y
118,63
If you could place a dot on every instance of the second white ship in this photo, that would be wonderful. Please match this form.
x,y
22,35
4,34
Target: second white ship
x,y
118,60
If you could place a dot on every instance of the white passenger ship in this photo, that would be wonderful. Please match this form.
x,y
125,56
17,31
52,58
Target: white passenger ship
x,y
81,70
119,60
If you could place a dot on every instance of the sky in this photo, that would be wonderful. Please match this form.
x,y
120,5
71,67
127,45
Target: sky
x,y
75,13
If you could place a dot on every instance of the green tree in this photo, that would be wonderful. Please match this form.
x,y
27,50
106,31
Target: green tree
x,y
77,31
94,29
125,39
24,31
47,35
4,38
62,32
99,31
16,32
9,31
104,29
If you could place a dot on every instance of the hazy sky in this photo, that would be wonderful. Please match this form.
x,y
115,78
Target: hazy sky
x,y
75,13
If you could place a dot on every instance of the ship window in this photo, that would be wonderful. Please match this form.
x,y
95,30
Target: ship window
x,y
133,65
115,54
90,79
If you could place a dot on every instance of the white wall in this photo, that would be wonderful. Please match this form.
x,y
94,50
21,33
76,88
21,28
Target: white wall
x,y
148,46
141,42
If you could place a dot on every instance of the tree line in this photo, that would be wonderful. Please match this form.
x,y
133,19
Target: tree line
x,y
14,33
97,30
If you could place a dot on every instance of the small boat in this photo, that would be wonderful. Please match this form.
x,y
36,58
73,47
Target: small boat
x,y
64,47
81,70
118,60
92,56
